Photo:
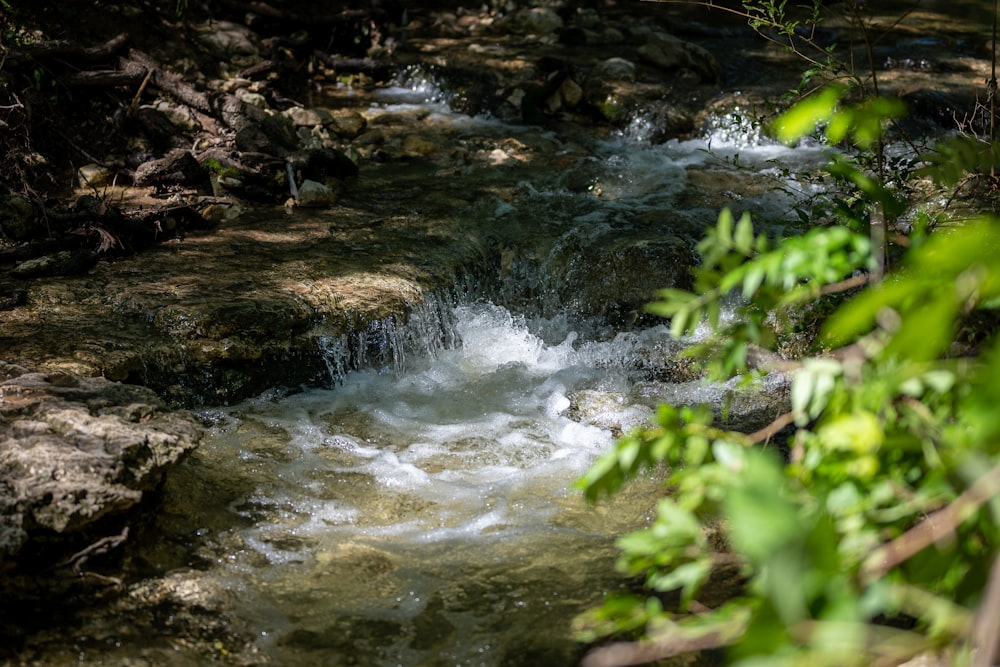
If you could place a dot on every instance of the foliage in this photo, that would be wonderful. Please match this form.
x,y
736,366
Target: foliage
x,y
870,535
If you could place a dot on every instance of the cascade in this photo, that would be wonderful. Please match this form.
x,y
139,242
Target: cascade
x,y
418,510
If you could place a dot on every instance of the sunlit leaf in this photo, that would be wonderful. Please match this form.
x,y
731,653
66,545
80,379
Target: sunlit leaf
x,y
744,236
803,118
858,432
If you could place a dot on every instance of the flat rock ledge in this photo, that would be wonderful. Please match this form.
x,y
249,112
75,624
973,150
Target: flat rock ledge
x,y
75,452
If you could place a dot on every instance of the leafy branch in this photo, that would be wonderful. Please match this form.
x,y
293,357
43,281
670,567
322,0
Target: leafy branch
x,y
878,508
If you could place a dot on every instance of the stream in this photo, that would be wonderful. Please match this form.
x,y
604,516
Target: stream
x,y
419,510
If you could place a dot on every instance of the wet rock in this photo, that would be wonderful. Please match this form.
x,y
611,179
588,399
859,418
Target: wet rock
x,y
604,88
743,408
74,450
417,145
348,124
613,411
614,273
571,93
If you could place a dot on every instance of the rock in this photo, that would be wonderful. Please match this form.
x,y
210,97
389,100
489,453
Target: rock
x,y
220,211
65,263
255,100
272,135
227,39
571,93
93,176
670,53
313,194
739,408
159,129
532,21
608,410
347,123
179,167
417,145
302,117
179,116
17,219
613,273
74,450
318,164
602,88
587,17
612,70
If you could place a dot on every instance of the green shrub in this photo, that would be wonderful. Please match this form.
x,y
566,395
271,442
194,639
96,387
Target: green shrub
x,y
871,535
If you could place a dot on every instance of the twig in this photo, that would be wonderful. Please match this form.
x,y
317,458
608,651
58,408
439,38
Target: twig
x,y
772,429
621,654
138,95
986,625
933,528
100,547
848,284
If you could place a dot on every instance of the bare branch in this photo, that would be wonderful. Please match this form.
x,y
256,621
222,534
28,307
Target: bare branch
x,y
621,654
986,625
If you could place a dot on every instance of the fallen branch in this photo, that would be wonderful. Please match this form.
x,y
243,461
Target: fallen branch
x,y
167,82
311,19
63,48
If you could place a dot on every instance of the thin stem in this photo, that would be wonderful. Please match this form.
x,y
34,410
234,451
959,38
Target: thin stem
x,y
932,529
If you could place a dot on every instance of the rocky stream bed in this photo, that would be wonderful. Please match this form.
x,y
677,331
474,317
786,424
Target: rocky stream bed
x,y
244,235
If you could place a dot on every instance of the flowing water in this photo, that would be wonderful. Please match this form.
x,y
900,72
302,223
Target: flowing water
x,y
419,511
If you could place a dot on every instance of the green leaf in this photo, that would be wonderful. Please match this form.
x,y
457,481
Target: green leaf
x,y
724,227
688,577
744,235
803,118
858,432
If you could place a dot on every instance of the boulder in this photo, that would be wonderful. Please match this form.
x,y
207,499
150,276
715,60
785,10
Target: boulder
x,y
613,273
75,450
671,54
